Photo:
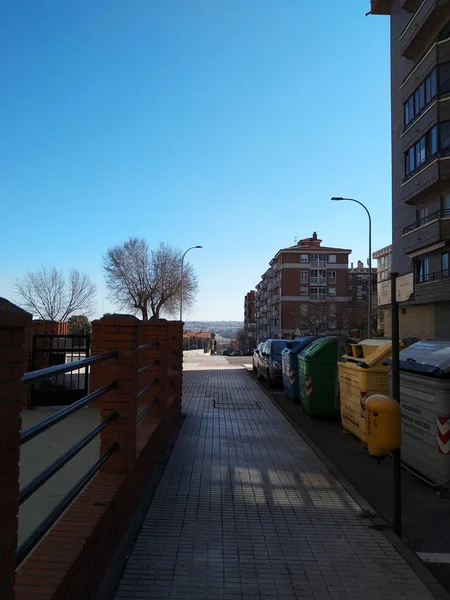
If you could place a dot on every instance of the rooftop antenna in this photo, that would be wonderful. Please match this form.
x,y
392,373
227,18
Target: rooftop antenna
x,y
296,238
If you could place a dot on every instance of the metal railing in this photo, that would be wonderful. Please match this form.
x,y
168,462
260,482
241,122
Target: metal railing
x,y
149,386
35,484
439,214
436,276
318,280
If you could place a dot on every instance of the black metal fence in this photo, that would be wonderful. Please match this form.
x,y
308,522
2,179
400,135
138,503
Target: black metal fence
x,y
65,388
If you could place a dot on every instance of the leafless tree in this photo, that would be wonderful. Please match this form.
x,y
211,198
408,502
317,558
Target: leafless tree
x,y
314,316
50,294
148,281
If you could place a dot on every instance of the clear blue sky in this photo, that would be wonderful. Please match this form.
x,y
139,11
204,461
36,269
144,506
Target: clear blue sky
x,y
226,123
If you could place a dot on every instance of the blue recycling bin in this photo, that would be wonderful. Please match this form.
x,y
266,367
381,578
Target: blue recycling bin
x,y
290,367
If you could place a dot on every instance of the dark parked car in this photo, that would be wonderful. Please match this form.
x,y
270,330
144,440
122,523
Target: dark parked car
x,y
267,360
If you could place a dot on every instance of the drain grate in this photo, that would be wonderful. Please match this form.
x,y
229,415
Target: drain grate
x,y
233,405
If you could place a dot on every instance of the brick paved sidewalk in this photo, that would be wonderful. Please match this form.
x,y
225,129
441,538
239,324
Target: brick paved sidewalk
x,y
246,510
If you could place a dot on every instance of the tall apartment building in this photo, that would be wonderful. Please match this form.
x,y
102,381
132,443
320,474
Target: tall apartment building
x,y
358,284
298,274
384,267
250,319
384,262
420,106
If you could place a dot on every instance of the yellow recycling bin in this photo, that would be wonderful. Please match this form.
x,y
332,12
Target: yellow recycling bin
x,y
362,374
384,425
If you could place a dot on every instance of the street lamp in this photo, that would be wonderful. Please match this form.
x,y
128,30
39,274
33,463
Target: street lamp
x,y
369,262
182,268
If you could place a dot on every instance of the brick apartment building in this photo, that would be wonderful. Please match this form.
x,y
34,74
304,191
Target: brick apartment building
x,y
296,275
250,319
358,283
384,267
420,106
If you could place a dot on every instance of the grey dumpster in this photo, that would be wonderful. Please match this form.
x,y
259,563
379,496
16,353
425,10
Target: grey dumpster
x,y
425,404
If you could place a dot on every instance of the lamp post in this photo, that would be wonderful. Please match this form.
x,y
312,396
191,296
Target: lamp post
x,y
369,262
182,269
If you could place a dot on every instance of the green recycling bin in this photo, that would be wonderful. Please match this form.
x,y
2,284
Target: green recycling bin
x,y
317,367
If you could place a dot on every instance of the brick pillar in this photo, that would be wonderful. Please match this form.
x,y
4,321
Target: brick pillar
x,y
175,362
156,330
13,323
117,332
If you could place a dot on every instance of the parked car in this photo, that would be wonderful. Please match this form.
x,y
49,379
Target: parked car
x,y
267,360
226,353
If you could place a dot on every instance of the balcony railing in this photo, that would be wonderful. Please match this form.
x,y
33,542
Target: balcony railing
x,y
314,296
436,276
439,214
321,264
331,280
318,280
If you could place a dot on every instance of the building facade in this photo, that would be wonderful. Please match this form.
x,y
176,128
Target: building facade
x,y
384,262
250,319
298,274
420,106
384,268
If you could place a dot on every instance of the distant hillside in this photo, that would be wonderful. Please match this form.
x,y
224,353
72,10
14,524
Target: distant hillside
x,y
226,329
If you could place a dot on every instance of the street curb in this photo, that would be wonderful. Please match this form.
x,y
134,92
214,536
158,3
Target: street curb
x,y
116,566
424,574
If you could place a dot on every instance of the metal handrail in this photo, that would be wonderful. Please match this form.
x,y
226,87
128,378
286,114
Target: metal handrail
x,y
146,410
42,374
33,539
59,463
62,414
147,367
438,214
147,387
148,346
436,276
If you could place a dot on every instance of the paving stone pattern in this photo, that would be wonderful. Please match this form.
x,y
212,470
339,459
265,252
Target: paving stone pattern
x,y
246,510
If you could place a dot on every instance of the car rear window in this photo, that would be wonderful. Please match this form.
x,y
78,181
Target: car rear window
x,y
277,347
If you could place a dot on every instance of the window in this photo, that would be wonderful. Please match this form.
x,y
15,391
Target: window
x,y
304,258
332,275
419,99
444,135
445,205
304,277
332,291
421,215
427,147
422,269
382,261
444,263
304,291
444,78
389,258
332,258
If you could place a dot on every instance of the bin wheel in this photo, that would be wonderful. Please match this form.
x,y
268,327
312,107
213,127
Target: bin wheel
x,y
258,375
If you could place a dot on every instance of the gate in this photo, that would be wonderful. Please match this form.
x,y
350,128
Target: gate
x,y
52,350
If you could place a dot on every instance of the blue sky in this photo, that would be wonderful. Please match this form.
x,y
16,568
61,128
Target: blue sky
x,y
225,123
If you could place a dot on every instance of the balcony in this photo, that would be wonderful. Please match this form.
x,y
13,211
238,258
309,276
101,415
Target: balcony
x,y
426,231
425,179
315,296
318,281
318,264
422,26
380,7
331,280
433,287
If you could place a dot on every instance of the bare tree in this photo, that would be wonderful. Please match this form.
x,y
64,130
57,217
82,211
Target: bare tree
x,y
148,281
315,316
50,294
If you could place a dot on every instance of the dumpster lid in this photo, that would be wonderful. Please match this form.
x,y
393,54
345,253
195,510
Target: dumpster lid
x,y
317,346
299,345
430,357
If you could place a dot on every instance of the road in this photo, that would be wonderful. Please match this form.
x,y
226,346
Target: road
x,y
426,511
